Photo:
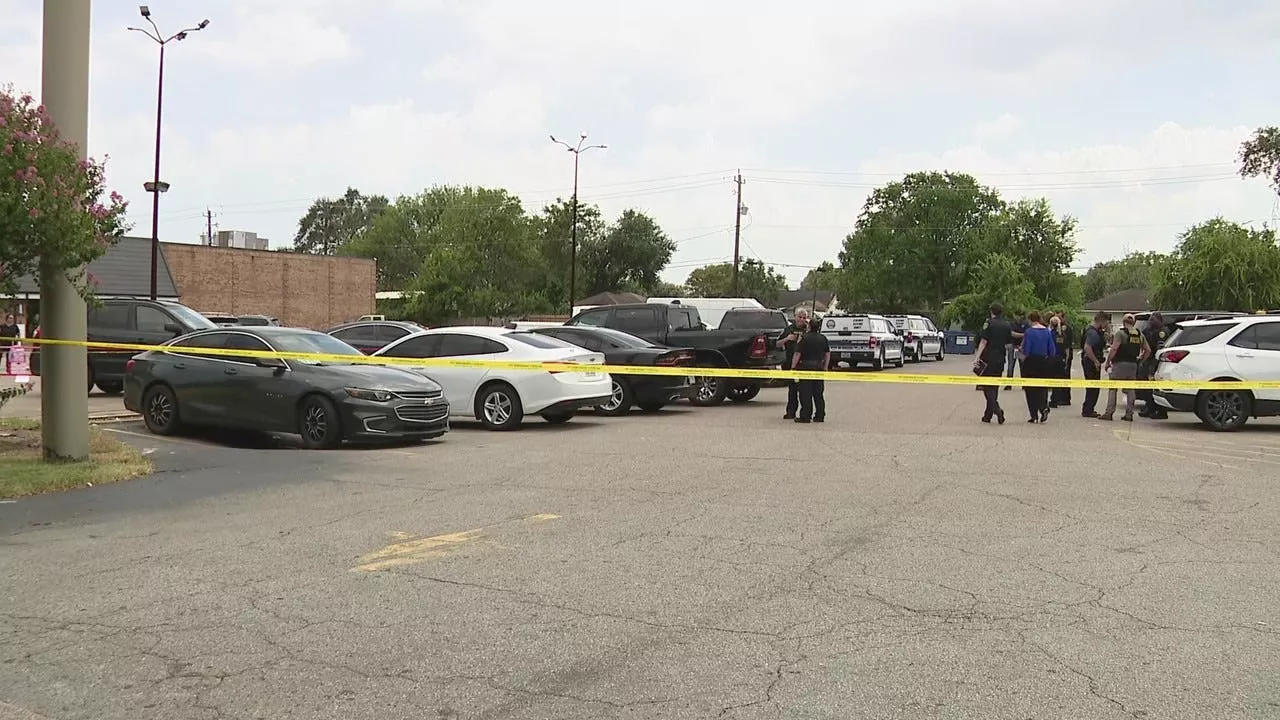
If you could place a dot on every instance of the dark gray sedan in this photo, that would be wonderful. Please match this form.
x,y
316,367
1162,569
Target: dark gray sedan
x,y
326,402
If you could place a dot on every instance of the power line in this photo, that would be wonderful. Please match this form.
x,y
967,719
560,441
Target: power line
x,y
1022,173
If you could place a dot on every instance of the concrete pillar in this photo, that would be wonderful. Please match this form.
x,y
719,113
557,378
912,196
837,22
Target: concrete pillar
x,y
64,403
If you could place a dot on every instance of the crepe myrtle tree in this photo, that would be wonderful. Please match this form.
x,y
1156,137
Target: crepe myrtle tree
x,y
53,205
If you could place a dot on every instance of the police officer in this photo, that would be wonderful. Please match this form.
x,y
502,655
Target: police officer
x,y
813,352
1128,349
790,339
1155,334
993,343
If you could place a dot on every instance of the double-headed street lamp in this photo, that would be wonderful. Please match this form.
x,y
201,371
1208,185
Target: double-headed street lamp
x,y
155,187
577,151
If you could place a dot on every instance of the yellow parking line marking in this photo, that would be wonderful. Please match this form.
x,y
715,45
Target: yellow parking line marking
x,y
407,551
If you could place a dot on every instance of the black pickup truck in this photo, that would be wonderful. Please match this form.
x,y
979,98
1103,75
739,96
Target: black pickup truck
x,y
676,325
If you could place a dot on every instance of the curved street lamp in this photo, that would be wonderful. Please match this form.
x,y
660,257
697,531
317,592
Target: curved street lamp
x,y
577,151
155,187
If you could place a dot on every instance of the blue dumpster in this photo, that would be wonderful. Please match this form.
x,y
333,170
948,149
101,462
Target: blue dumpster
x,y
960,342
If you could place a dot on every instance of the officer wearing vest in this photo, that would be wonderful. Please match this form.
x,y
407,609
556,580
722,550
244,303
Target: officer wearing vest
x,y
1128,349
1155,334
788,343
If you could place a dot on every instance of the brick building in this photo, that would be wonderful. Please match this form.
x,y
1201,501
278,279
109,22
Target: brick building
x,y
314,291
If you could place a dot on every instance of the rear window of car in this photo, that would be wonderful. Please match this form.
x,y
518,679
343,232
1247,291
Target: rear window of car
x,y
1197,334
541,341
738,320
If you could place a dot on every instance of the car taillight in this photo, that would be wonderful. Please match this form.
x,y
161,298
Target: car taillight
x,y
1173,356
675,358
759,348
872,342
128,367
910,338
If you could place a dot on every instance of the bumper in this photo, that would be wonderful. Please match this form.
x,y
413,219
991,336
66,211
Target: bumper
x,y
568,406
1178,402
401,420
854,355
660,388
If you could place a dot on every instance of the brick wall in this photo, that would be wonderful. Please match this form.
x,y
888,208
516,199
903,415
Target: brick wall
x,y
311,291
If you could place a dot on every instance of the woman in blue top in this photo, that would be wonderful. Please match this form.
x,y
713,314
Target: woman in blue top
x,y
1039,352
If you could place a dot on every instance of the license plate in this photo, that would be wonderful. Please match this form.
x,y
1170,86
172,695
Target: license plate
x,y
591,375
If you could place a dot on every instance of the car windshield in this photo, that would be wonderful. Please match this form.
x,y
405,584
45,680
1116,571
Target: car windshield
x,y
749,320
312,342
189,317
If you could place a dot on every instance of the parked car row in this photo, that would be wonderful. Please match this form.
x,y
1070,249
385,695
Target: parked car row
x,y
881,340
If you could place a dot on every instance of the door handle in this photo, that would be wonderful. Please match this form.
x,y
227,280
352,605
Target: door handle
x,y
231,371
1244,355
179,366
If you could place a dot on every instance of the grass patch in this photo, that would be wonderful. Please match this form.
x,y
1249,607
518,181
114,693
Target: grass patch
x,y
23,470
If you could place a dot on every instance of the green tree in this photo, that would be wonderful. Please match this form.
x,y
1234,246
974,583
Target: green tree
x,y
823,277
997,278
912,245
552,236
1131,272
628,256
666,289
53,206
332,223
1220,265
1041,243
1260,156
399,238
755,280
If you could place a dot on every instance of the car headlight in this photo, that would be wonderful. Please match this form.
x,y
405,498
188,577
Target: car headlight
x,y
365,394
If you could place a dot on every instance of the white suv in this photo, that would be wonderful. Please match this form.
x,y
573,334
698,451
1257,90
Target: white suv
x,y
921,339
1242,349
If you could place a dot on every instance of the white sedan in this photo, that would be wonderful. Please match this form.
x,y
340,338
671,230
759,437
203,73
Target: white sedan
x,y
500,398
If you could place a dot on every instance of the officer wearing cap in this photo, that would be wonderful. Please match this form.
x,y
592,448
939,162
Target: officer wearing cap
x,y
1156,334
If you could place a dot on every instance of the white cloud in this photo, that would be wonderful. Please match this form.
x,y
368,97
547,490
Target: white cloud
x,y
278,104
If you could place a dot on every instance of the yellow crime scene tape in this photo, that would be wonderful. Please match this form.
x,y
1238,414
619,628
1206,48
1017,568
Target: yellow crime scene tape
x,y
686,370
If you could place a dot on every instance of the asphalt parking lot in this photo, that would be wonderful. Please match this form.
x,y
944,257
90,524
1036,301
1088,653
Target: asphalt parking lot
x,y
902,560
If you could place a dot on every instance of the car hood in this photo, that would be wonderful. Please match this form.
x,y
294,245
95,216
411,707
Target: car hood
x,y
378,377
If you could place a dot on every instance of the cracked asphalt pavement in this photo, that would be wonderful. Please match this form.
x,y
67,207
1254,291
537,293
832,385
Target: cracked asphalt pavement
x,y
902,560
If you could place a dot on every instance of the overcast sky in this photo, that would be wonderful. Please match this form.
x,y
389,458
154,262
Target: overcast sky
x,y
1127,115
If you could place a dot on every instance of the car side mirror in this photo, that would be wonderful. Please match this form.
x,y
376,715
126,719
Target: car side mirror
x,y
174,328
270,362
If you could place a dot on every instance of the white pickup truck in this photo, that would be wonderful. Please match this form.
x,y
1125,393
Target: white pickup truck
x,y
862,338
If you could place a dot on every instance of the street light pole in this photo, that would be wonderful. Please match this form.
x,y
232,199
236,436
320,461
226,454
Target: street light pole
x,y
577,151
155,187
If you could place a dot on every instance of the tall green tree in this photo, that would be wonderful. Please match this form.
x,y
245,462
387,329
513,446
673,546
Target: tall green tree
x,y
1041,243
996,278
332,223
628,256
1131,272
1220,265
1260,156
912,245
552,230
399,238
823,277
755,280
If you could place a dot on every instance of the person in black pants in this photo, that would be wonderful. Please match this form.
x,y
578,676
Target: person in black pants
x,y
813,352
1039,354
1156,334
790,339
1093,348
993,343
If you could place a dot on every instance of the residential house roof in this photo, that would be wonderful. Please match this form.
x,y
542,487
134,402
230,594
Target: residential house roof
x,y
795,298
123,270
1133,300
612,298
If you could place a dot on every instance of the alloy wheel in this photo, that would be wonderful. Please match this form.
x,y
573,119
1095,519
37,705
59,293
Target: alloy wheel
x,y
1224,408
160,409
707,390
315,423
497,408
615,399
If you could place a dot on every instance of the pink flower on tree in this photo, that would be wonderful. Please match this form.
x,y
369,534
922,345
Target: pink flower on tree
x,y
35,213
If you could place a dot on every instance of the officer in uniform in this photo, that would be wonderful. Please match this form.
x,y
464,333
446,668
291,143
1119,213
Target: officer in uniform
x,y
1155,334
994,341
790,340
1128,350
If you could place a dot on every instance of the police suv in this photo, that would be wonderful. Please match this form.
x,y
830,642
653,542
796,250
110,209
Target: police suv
x,y
862,338
920,337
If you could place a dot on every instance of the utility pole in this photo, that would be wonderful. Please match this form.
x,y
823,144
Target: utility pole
x,y
573,220
64,91
737,232
208,223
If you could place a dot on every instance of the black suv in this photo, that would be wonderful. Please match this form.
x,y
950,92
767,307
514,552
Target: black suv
x,y
134,322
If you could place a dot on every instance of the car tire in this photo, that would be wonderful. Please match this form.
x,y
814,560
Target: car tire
x,y
498,407
620,401
744,393
160,410
918,355
902,359
1224,410
319,423
111,388
711,392
558,418
878,363
942,351
650,407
